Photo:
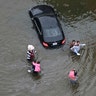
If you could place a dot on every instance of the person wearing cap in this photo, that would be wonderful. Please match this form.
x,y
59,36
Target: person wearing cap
x,y
30,52
36,66
73,77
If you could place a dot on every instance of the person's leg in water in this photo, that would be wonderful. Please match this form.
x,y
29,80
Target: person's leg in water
x,y
75,49
74,81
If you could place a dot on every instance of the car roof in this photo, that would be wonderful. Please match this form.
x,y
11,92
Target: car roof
x,y
48,21
42,9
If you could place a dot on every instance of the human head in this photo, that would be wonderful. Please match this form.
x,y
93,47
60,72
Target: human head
x,y
30,47
78,42
38,62
74,69
73,41
34,61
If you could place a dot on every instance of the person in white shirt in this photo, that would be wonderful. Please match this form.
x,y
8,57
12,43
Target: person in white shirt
x,y
30,52
76,48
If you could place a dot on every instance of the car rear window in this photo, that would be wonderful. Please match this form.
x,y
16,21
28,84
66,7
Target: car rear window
x,y
51,28
48,21
52,34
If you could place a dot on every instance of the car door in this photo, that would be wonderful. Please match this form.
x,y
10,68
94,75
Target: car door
x,y
38,27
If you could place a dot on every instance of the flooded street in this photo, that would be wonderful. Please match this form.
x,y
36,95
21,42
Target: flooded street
x,y
78,20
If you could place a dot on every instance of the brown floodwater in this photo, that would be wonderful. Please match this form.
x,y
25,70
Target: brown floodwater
x,y
78,20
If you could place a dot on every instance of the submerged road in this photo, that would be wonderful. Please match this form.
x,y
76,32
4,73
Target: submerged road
x,y
16,33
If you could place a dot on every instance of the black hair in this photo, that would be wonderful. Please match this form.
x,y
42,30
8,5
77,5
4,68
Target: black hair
x,y
38,62
73,40
34,61
75,72
78,41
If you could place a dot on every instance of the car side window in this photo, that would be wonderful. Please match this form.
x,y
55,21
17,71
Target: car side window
x,y
38,24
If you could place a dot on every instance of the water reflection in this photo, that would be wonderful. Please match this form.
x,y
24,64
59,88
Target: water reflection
x,y
73,8
35,76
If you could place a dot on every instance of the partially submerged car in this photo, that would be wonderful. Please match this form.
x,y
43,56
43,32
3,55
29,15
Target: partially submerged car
x,y
47,25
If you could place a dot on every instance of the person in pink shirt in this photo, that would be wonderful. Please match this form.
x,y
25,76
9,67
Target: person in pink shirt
x,y
73,76
36,66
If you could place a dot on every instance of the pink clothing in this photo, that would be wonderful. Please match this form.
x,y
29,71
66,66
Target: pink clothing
x,y
71,75
37,67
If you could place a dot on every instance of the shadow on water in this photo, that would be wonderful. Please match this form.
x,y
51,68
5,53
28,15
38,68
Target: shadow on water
x,y
74,57
74,88
35,76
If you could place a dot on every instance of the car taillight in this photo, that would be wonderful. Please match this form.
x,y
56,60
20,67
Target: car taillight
x,y
63,41
45,44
